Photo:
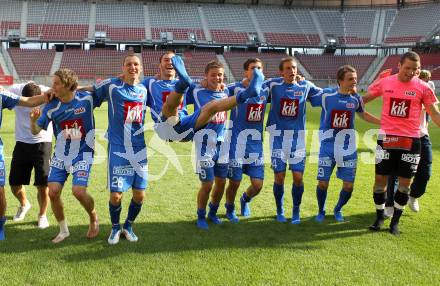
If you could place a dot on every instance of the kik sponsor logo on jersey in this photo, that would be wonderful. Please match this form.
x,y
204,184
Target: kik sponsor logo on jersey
x,y
219,118
254,112
289,107
133,112
73,129
399,107
340,119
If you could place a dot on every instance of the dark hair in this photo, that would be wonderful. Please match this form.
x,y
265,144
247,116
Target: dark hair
x,y
250,61
342,71
214,64
285,60
30,89
166,53
413,56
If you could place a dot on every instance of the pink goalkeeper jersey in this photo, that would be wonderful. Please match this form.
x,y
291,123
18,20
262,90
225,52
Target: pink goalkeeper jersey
x,y
402,104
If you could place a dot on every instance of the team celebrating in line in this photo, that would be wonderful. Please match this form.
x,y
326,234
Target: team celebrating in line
x,y
225,149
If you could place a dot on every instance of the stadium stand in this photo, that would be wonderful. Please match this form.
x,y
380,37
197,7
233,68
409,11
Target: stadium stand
x,y
358,26
412,24
326,66
150,61
30,63
121,21
196,61
93,63
229,24
280,32
55,21
178,19
10,16
332,24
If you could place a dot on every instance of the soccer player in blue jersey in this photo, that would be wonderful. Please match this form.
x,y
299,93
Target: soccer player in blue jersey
x,y
211,103
286,125
161,85
127,155
10,100
246,147
71,113
337,138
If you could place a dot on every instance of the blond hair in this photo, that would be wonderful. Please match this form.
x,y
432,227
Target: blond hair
x,y
68,78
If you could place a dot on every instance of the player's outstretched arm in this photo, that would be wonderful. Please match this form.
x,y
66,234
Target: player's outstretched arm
x,y
369,117
32,101
434,113
88,88
367,98
34,115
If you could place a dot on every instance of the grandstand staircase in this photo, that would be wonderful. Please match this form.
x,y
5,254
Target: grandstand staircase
x,y
372,71
56,62
8,64
302,70
318,27
253,17
24,18
228,71
3,65
380,27
206,31
376,27
147,22
92,21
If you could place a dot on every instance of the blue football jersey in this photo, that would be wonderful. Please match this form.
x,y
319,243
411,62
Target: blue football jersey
x,y
338,110
247,119
72,122
8,100
288,104
158,90
126,110
200,96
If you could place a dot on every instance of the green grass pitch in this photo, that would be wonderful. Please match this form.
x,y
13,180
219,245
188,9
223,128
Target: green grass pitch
x,y
256,251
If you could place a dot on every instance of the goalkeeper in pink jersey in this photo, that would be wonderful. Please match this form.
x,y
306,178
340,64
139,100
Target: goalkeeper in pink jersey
x,y
398,144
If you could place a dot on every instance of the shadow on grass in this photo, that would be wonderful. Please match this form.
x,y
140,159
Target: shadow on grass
x,y
181,236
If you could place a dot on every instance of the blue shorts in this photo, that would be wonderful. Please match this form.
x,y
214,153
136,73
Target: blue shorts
x,y
127,168
346,170
80,170
280,156
2,167
183,131
254,170
208,168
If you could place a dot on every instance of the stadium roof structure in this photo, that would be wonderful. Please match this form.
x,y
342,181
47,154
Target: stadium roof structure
x,y
301,3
